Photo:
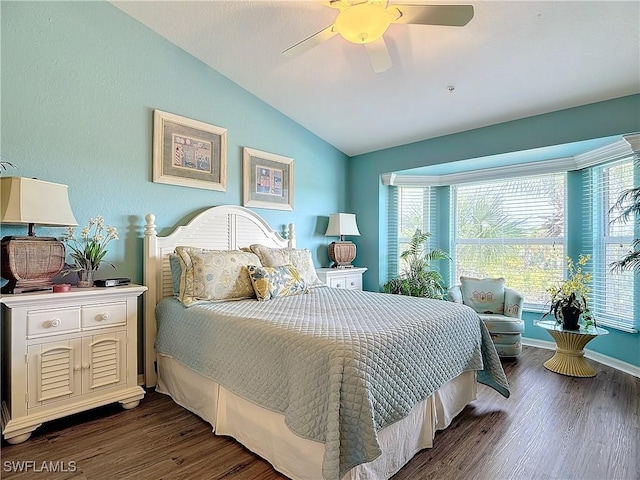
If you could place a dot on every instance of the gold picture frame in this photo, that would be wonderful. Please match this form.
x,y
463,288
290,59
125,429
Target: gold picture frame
x,y
188,152
267,180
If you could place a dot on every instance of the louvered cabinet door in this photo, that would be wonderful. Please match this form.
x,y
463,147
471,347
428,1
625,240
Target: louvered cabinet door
x,y
104,361
53,372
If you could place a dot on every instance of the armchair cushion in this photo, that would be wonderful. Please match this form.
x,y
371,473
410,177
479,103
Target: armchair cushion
x,y
502,324
484,295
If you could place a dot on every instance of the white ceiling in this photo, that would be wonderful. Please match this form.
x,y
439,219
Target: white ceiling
x,y
513,60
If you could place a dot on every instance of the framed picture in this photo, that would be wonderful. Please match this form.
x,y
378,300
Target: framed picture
x,y
188,152
268,180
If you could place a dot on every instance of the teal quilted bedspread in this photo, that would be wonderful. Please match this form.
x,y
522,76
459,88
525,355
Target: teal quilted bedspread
x,y
338,364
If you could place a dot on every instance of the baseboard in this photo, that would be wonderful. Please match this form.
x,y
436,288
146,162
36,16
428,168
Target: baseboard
x,y
598,357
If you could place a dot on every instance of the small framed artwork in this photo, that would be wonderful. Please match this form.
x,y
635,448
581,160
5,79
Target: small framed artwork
x,y
188,152
268,180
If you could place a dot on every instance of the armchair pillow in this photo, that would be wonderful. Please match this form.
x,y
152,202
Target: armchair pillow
x,y
484,295
512,303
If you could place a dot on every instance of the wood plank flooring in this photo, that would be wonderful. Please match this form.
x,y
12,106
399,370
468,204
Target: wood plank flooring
x,y
552,427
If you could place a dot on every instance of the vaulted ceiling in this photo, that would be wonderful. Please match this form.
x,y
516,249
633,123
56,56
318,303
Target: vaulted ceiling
x,y
512,60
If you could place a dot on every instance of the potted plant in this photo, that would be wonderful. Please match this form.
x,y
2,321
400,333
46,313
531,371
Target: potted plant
x,y
88,252
569,299
418,278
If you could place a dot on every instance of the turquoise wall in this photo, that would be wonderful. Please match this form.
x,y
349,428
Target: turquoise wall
x,y
603,119
80,81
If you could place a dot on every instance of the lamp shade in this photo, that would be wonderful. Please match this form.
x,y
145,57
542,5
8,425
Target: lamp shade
x,y
31,201
342,224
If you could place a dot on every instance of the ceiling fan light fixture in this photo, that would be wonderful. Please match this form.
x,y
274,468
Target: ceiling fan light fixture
x,y
362,23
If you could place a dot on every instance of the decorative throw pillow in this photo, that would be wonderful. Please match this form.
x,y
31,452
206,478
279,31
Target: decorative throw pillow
x,y
484,295
214,275
299,258
513,302
273,282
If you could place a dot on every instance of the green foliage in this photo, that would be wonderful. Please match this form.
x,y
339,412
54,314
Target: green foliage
x,y
418,279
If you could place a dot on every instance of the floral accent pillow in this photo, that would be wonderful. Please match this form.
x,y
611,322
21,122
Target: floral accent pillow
x,y
214,275
273,282
484,295
300,258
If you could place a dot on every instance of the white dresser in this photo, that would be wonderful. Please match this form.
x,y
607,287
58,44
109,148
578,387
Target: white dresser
x,y
64,353
349,278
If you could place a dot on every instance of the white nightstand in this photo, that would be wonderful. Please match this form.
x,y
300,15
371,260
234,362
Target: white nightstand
x,y
349,278
64,353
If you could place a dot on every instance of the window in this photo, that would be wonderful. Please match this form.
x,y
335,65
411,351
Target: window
x,y
412,208
612,295
513,229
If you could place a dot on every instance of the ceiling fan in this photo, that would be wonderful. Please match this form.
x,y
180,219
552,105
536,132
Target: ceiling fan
x,y
365,21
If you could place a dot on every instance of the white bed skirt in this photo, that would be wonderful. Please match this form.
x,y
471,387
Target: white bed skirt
x,y
264,432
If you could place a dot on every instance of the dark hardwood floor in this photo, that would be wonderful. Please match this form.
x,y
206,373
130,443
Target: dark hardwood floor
x,y
552,427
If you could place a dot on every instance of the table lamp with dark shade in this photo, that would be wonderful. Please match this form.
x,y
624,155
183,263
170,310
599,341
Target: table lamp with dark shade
x,y
30,263
342,253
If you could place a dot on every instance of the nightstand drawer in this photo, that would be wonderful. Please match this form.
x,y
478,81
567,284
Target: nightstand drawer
x,y
346,278
350,282
53,322
104,315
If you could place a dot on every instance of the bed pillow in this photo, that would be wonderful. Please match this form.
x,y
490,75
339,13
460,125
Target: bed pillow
x,y
299,258
273,282
214,275
484,295
176,273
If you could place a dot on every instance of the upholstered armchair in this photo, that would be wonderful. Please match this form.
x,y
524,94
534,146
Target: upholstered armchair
x,y
499,307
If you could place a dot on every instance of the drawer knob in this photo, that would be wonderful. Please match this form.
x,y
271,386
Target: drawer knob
x,y
85,366
104,316
339,285
353,283
76,368
55,322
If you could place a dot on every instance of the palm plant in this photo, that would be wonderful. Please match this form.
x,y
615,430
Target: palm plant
x,y
418,279
628,204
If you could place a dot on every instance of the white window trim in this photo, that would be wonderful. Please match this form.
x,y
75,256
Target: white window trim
x,y
626,146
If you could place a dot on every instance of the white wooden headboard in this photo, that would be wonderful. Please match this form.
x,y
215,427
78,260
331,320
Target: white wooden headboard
x,y
227,227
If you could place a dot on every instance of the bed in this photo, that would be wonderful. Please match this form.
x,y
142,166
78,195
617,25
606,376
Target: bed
x,y
329,383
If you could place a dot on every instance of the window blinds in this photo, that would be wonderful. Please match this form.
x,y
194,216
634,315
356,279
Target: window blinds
x,y
614,294
414,205
514,229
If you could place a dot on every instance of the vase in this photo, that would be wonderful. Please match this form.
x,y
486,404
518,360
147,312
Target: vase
x,y
85,278
570,317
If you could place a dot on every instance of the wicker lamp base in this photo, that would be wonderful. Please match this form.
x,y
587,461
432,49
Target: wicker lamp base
x,y
342,254
30,263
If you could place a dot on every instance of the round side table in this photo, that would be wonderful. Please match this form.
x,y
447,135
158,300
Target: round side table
x,y
569,357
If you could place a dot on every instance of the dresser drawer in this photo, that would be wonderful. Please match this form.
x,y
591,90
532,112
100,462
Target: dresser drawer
x,y
104,315
53,322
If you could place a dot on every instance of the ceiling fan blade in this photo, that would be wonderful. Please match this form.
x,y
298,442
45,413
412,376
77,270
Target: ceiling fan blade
x,y
449,15
379,55
310,42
